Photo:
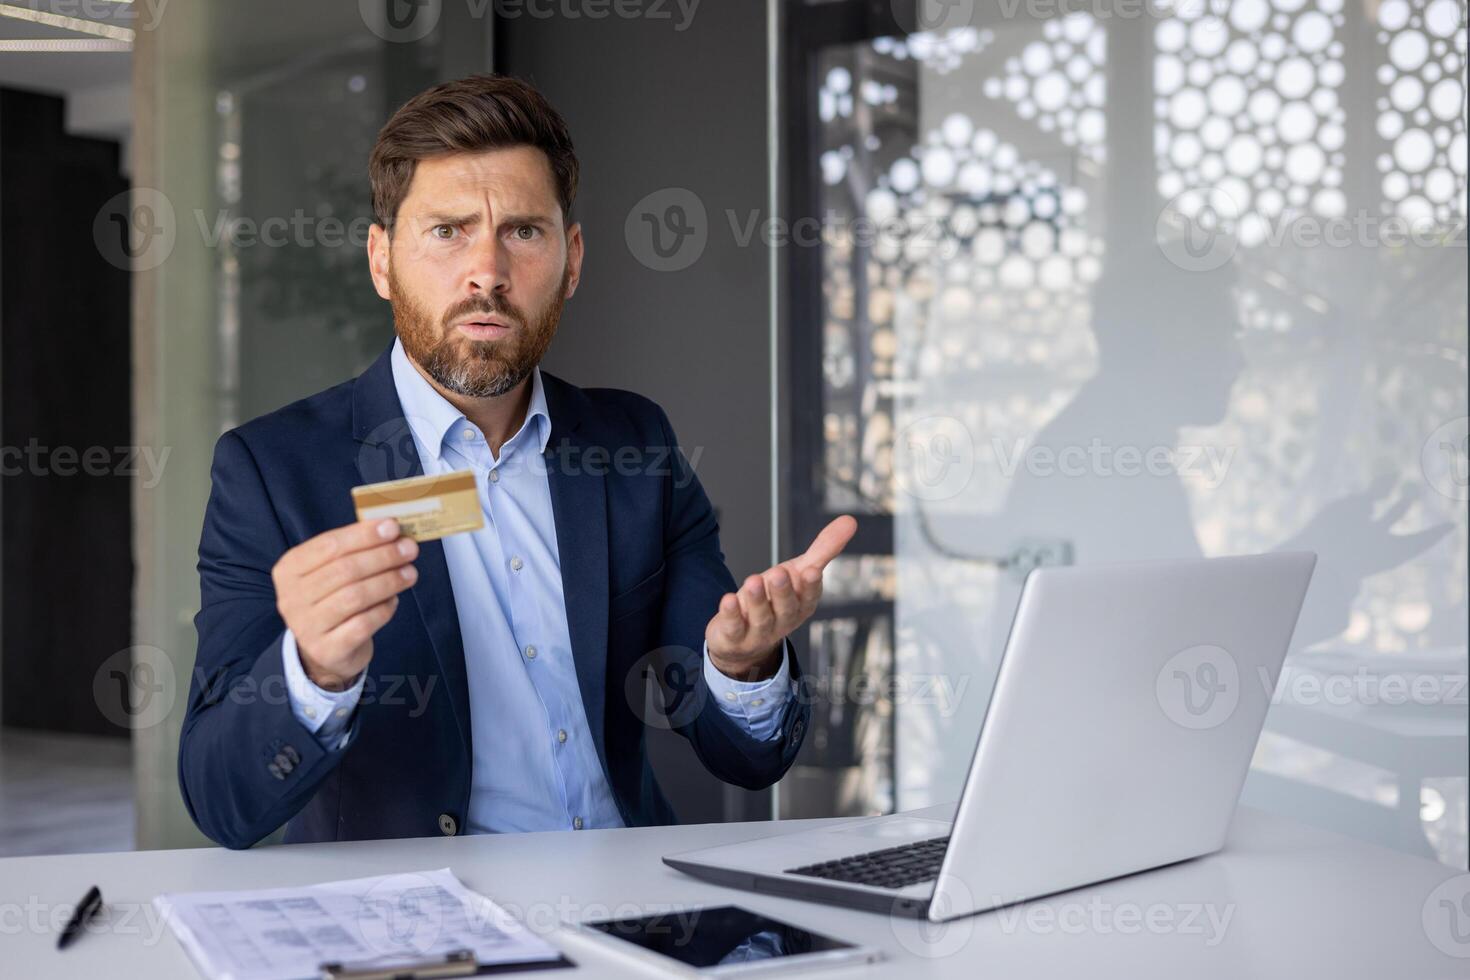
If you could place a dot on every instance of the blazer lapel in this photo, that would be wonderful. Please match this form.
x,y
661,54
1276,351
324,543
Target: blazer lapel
x,y
579,505
386,451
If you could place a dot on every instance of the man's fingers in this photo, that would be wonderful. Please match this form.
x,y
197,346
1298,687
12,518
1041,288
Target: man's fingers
x,y
315,552
354,598
805,579
793,575
730,621
355,566
359,628
830,542
811,588
756,605
785,603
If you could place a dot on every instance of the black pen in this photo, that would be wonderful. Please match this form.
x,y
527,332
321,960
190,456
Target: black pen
x,y
90,904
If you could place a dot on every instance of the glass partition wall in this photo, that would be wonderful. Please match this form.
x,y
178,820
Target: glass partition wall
x,y
249,217
1153,280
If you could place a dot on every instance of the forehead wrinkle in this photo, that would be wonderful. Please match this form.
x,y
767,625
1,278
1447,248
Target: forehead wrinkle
x,y
517,179
475,189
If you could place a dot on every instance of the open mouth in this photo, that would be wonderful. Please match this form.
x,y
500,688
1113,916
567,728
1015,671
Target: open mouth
x,y
483,329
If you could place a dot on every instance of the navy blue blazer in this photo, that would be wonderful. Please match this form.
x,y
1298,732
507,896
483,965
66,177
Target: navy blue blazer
x,y
642,572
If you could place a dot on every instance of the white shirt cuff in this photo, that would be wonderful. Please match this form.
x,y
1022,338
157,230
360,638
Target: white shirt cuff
x,y
755,704
323,713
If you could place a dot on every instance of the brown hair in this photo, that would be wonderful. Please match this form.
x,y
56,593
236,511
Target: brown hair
x,y
479,112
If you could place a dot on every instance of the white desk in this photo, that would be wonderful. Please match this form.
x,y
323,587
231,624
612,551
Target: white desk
x,y
1300,903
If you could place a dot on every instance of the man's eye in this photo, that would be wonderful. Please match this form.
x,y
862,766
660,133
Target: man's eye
x,y
526,232
437,229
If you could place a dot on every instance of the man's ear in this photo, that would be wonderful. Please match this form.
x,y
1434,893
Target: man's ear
x,y
574,257
379,257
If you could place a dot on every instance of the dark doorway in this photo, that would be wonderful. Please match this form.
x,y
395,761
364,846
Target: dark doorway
x,y
65,425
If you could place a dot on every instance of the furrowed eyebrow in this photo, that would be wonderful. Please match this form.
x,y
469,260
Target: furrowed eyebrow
x,y
449,219
442,218
526,219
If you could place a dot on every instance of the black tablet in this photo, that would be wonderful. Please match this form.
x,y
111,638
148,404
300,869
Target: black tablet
x,y
724,941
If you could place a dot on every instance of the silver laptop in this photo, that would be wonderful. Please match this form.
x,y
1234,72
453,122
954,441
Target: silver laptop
x,y
1119,732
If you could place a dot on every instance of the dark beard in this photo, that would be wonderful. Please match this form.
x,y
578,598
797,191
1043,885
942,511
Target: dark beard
x,y
476,368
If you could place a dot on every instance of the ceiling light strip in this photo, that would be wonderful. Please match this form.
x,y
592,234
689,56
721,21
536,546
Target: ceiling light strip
x,y
63,45
66,23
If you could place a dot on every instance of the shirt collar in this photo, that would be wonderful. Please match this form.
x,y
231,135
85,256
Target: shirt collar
x,y
430,415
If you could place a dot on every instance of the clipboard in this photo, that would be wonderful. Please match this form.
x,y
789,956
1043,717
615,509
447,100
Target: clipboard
x,y
458,963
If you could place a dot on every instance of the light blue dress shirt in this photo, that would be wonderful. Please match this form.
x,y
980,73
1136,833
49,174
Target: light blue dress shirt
x,y
535,764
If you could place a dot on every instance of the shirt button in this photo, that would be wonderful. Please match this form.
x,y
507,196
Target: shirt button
x,y
311,712
494,476
530,653
516,563
576,823
729,695
561,734
757,702
469,434
340,712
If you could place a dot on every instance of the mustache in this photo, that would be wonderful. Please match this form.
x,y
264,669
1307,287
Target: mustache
x,y
484,307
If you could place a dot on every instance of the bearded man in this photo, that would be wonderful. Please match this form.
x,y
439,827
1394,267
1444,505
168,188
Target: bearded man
x,y
354,683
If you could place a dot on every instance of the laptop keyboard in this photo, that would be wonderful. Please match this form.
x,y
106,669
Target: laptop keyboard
x,y
892,867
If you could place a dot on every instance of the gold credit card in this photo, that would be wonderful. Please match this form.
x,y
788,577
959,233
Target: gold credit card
x,y
425,507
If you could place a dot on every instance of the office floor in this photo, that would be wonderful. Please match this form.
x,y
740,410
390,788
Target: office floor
x,y
64,794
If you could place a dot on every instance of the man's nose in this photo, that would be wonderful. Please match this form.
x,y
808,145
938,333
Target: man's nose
x,y
489,269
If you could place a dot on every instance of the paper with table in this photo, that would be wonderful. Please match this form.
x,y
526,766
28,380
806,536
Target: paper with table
x,y
288,933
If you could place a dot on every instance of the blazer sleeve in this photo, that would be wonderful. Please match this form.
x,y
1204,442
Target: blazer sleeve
x,y
696,578
246,764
